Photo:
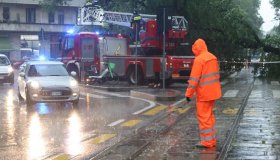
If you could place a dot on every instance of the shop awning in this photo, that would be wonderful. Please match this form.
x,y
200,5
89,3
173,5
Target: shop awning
x,y
5,44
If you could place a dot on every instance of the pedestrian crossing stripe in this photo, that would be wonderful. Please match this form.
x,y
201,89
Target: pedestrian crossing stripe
x,y
256,94
274,83
231,93
102,138
258,83
62,157
276,93
131,123
155,110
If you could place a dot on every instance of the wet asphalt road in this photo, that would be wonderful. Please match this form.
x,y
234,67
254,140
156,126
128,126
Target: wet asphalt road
x,y
50,129
117,121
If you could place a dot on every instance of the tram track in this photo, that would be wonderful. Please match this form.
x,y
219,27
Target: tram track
x,y
234,127
139,141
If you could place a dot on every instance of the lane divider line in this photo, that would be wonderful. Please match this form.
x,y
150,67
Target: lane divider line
x,y
131,123
179,110
62,157
102,138
155,110
116,122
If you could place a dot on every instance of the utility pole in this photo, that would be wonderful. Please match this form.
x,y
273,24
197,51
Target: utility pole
x,y
135,23
163,54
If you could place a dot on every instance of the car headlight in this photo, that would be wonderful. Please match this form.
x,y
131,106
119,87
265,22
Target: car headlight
x,y
73,83
34,84
10,69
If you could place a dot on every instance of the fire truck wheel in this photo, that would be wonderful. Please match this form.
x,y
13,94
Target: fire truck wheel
x,y
132,77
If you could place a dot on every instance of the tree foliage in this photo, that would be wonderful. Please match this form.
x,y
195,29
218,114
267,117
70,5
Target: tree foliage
x,y
228,26
51,5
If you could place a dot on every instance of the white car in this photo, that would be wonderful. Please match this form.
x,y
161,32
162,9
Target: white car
x,y
47,81
6,70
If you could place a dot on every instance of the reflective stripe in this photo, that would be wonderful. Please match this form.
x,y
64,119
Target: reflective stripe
x,y
208,138
207,130
192,86
209,82
210,74
194,79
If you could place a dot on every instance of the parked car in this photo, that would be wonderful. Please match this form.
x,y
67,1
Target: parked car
x,y
6,70
47,81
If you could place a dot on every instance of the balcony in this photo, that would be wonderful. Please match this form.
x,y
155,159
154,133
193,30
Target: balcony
x,y
73,3
24,27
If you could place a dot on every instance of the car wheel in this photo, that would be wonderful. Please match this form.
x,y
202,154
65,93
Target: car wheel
x,y
29,101
19,96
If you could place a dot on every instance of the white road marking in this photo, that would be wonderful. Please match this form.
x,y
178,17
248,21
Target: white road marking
x,y
276,93
92,95
274,83
151,103
256,94
116,122
231,93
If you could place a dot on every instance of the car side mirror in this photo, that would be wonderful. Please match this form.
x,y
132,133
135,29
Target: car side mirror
x,y
22,74
73,73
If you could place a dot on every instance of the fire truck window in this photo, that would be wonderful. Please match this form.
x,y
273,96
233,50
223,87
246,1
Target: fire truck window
x,y
69,44
88,46
183,50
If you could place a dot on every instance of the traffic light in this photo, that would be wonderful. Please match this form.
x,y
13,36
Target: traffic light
x,y
135,25
164,14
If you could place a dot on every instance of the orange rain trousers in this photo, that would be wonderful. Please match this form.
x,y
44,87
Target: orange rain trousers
x,y
206,119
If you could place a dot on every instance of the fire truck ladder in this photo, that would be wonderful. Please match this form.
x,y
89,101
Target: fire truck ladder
x,y
95,15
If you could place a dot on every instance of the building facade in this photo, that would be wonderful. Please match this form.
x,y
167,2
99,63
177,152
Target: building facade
x,y
27,29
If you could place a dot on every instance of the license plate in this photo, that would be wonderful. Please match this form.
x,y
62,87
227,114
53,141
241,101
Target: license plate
x,y
56,93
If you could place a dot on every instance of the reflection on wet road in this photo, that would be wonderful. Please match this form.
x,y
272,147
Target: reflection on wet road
x,y
48,129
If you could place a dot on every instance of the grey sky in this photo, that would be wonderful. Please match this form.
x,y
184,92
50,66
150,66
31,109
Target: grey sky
x,y
267,12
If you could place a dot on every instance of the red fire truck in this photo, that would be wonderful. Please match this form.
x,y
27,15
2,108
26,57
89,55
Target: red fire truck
x,y
86,52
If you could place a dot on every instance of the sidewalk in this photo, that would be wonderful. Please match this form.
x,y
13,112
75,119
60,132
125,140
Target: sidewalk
x,y
258,134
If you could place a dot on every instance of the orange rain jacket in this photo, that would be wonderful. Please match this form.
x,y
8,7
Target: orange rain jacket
x,y
204,78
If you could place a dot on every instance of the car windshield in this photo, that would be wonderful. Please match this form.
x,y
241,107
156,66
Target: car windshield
x,y
47,70
4,61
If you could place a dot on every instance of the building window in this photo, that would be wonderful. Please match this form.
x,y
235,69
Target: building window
x,y
6,14
30,15
60,18
51,17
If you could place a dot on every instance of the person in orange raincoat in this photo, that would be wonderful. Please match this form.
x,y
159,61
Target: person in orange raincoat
x,y
204,81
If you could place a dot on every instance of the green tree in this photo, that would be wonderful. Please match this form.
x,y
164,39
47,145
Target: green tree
x,y
51,5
